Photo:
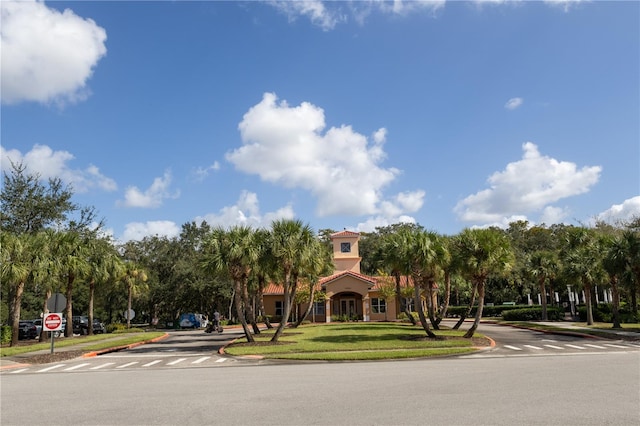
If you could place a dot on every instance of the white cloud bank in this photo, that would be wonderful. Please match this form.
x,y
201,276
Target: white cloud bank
x,y
47,55
289,146
328,14
246,212
527,186
138,230
153,197
54,164
625,212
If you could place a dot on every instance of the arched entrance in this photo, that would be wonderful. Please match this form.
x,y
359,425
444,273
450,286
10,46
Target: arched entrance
x,y
347,305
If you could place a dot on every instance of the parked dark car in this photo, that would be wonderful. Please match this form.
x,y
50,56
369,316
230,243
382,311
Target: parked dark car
x,y
98,327
27,330
81,325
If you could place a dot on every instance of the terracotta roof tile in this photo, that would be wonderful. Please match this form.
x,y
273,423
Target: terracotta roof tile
x,y
345,233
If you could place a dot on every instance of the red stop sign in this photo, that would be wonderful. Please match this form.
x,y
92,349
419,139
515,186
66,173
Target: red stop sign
x,y
52,322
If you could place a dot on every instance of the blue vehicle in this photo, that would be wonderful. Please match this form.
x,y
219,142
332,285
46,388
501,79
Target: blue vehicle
x,y
191,320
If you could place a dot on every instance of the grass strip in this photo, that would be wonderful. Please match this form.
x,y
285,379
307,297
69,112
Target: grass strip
x,y
106,339
354,341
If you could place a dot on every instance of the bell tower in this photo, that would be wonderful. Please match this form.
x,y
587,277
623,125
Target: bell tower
x,y
345,251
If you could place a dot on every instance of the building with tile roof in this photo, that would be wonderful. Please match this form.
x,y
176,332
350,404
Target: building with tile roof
x,y
348,293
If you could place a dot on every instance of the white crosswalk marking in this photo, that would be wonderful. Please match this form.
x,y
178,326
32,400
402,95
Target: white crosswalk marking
x,y
177,361
149,364
555,347
19,371
611,345
594,346
574,346
98,367
127,364
515,348
199,360
75,367
53,367
221,360
533,347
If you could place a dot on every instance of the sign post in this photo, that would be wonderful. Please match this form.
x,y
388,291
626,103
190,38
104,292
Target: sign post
x,y
52,322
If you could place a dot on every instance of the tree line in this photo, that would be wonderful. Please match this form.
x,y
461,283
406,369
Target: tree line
x,y
50,244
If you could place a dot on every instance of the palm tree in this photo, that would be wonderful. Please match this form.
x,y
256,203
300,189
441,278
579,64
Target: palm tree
x,y
17,258
318,263
393,246
582,261
484,253
291,243
234,252
543,266
104,266
134,278
263,270
71,262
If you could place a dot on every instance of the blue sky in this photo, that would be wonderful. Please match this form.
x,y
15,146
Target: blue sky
x,y
342,114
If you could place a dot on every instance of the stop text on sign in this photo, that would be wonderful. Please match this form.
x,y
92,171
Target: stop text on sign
x,y
52,322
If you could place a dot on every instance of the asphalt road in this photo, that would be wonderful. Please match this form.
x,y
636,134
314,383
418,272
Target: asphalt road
x,y
502,386
556,390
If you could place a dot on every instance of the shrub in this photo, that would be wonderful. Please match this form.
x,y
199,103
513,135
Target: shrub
x,y
533,314
5,334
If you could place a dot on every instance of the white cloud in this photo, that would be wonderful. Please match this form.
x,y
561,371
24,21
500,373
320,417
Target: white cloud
x,y
288,146
54,164
200,173
246,212
372,223
527,186
47,55
162,228
328,14
513,103
564,4
629,209
153,196
315,10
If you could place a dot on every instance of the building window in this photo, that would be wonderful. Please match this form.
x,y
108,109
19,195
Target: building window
x,y
378,306
279,308
345,247
318,308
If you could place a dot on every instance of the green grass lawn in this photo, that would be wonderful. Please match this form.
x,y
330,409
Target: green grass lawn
x,y
356,341
100,341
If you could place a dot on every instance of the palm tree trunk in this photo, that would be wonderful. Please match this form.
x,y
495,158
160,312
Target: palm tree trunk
x,y
543,297
129,300
587,295
476,322
431,309
262,310
251,317
68,332
45,310
240,310
466,314
92,289
312,293
447,296
15,320
399,300
286,309
423,319
615,303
